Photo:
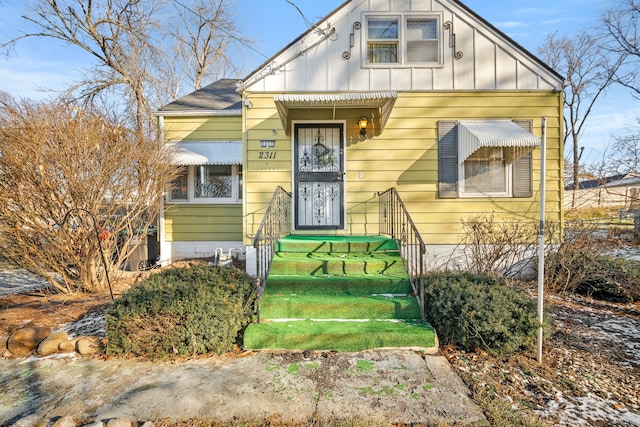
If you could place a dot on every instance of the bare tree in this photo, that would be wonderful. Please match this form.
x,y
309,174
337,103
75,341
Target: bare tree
x,y
590,69
202,35
626,152
132,41
62,166
117,33
622,28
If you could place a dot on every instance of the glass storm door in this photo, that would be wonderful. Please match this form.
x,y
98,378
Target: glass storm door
x,y
318,177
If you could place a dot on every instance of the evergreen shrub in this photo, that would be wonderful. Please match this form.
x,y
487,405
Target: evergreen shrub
x,y
181,312
473,310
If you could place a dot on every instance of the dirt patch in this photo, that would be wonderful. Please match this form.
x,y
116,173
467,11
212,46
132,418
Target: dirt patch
x,y
590,374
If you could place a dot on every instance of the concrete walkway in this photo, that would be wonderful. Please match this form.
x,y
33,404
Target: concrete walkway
x,y
389,386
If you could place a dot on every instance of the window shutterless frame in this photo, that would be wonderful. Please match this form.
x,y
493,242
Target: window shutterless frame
x,y
194,195
402,40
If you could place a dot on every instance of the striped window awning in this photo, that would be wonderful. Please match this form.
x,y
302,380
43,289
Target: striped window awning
x,y
382,101
473,135
194,153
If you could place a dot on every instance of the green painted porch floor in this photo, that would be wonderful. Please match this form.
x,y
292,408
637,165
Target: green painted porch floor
x,y
338,293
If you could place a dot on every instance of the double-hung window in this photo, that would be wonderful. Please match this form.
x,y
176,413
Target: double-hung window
x,y
405,39
486,173
383,40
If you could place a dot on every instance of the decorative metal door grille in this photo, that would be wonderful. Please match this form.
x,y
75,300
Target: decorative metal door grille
x,y
319,176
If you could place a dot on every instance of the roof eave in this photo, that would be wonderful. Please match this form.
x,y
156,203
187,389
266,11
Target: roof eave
x,y
218,113
510,40
270,60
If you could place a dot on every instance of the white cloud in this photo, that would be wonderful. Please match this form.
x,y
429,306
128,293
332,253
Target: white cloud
x,y
512,24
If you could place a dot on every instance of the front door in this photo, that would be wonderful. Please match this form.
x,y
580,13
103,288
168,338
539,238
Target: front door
x,y
319,176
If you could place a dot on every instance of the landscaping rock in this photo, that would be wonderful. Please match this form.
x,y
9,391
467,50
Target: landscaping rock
x,y
119,422
51,344
64,422
24,341
68,346
88,346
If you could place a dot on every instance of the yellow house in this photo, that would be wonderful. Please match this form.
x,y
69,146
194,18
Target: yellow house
x,y
423,97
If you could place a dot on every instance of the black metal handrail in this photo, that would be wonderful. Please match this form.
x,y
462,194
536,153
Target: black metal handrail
x,y
396,222
275,224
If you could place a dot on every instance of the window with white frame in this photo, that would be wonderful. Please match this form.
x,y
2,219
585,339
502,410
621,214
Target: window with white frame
x,y
406,39
485,158
486,172
207,184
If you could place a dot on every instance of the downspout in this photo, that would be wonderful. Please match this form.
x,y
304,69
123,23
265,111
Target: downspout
x,y
163,261
246,103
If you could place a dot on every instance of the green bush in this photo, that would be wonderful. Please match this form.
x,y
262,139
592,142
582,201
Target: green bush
x,y
479,311
181,312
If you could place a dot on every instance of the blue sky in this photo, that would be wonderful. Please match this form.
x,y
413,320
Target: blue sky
x,y
37,64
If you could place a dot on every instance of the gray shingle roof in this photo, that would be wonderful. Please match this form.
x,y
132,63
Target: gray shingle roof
x,y
220,95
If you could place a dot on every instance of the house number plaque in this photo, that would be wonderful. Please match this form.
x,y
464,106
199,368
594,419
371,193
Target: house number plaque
x,y
267,155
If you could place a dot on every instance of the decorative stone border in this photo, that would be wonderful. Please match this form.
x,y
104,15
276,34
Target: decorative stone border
x,y
44,342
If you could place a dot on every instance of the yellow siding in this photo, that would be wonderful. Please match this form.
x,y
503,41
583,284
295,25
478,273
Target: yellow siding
x,y
223,128
405,156
203,222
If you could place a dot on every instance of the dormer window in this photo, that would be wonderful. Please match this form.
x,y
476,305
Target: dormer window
x,y
408,39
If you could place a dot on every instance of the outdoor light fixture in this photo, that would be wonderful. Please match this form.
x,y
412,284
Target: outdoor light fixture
x,y
363,122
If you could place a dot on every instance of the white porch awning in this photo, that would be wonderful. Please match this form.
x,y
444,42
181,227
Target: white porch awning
x,y
473,135
383,101
190,153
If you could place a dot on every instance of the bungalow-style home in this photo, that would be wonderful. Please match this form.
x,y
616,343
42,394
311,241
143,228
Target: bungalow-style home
x,y
423,98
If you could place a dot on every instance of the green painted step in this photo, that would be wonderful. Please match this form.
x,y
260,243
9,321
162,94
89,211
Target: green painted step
x,y
339,336
303,306
342,293
342,244
337,264
338,284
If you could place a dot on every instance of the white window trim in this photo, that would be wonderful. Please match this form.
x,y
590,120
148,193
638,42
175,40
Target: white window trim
x,y
402,18
236,197
508,168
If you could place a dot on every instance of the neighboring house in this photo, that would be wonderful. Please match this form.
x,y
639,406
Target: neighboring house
x,y
612,191
452,117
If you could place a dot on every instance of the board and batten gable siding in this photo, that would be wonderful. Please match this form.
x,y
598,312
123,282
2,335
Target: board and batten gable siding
x,y
188,222
315,62
405,156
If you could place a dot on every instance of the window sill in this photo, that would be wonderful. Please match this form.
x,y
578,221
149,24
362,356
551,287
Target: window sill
x,y
420,65
485,195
